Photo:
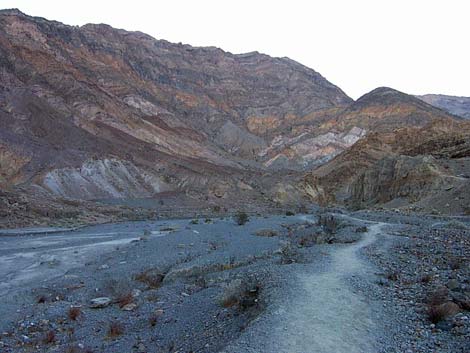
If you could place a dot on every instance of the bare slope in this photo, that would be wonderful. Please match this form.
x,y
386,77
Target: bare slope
x,y
455,105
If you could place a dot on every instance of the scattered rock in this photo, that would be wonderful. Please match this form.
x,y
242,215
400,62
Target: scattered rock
x,y
129,307
100,302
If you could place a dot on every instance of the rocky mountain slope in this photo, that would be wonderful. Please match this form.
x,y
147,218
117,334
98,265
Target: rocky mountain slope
x,y
425,168
95,112
459,106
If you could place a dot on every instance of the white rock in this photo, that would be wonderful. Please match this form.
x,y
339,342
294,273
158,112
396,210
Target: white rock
x,y
100,302
129,307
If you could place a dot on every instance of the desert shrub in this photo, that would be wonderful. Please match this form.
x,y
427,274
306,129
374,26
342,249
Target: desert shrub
x,y
290,213
117,288
153,320
393,276
213,245
168,229
242,293
124,299
241,218
437,297
454,224
455,263
153,278
71,202
115,329
73,313
266,233
289,254
441,312
194,221
426,278
49,337
329,223
200,281
208,220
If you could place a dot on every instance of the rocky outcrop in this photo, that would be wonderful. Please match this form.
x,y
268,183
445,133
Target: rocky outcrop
x,y
101,179
424,168
304,152
238,141
459,106
396,177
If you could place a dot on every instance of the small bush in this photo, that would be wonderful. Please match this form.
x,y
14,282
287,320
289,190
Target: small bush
x,y
194,221
153,320
124,299
49,337
289,254
454,224
200,281
115,329
393,276
437,297
455,263
74,313
329,223
441,312
426,278
290,213
213,246
241,293
266,233
153,278
241,218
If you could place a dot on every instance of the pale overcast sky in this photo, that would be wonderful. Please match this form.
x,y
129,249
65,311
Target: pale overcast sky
x,y
416,46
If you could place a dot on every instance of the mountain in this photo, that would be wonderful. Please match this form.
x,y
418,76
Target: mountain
x,y
94,113
459,106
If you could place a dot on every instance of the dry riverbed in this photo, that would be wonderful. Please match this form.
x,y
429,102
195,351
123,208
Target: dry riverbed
x,y
299,283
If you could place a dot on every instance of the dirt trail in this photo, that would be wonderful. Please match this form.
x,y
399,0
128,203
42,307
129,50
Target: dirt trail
x,y
323,314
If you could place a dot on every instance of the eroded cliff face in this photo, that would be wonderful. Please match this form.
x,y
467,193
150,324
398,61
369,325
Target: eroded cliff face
x,y
424,169
396,177
101,179
306,151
